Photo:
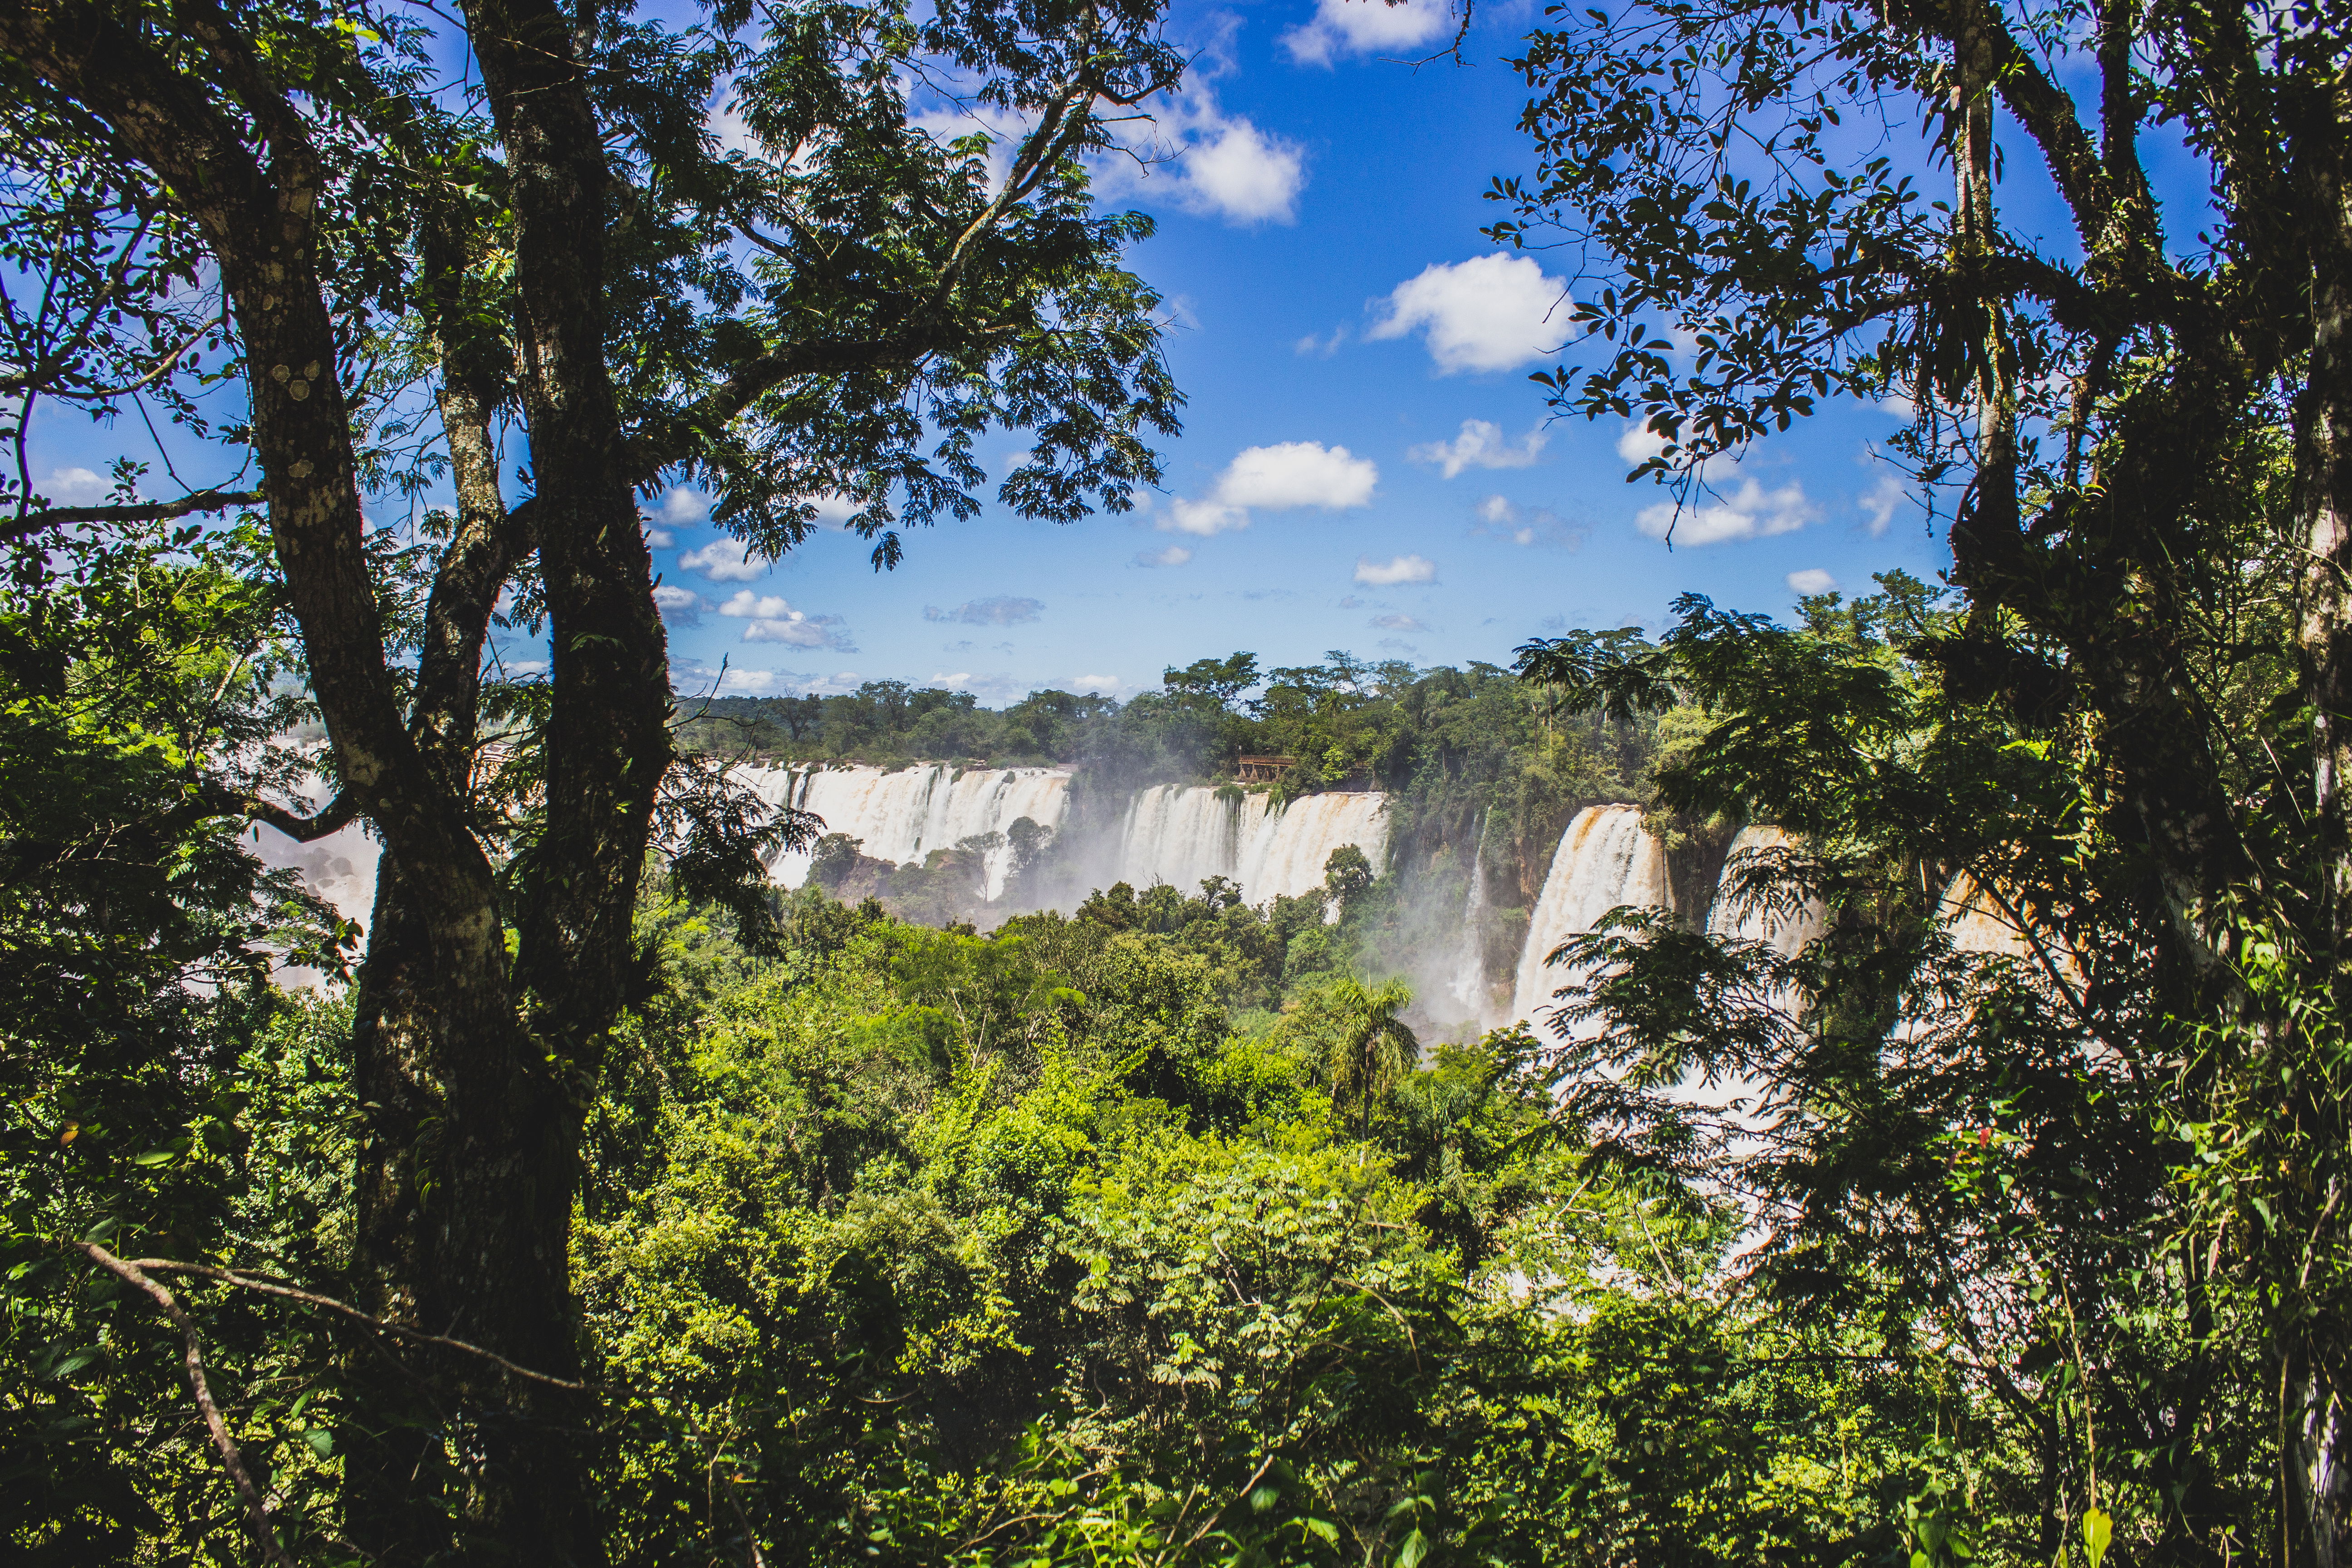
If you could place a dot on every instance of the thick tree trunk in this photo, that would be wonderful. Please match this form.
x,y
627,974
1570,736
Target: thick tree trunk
x,y
2321,1428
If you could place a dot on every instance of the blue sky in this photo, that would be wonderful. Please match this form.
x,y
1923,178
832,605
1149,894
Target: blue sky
x,y
1364,465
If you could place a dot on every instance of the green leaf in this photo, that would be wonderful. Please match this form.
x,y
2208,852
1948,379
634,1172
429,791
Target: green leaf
x,y
1415,1548
2098,1530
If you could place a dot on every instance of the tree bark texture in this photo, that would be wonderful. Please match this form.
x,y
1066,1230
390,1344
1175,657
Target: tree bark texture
x,y
474,1072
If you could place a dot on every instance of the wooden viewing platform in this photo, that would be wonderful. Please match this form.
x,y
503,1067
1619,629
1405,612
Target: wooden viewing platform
x,y
1262,769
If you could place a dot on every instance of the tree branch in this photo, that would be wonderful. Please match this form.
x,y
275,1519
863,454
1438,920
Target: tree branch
x,y
152,511
267,1287
1987,51
192,1359
340,812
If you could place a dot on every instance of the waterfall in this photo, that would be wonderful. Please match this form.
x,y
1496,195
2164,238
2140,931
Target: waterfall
x,y
1171,834
904,815
1784,931
1605,858
1184,834
339,869
1468,984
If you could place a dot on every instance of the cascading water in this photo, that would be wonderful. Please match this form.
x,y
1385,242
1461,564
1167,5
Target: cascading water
x,y
1784,931
1171,834
1183,836
903,816
1605,858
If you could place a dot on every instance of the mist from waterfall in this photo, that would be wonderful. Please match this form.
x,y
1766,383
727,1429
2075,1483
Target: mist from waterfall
x,y
1468,984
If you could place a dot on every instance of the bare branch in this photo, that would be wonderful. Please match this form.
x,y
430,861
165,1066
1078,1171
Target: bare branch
x,y
265,1286
155,511
192,1357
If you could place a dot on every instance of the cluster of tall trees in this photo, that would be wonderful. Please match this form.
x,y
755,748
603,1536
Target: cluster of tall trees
x,y
2129,734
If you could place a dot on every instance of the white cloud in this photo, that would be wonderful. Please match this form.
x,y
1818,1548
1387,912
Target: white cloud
x,y
1298,473
758,605
1497,510
1107,685
659,539
1880,502
1174,555
1185,151
74,487
736,681
1320,347
1368,26
1230,168
774,620
1204,517
724,120
675,604
1490,312
798,630
1276,479
726,561
1811,581
1745,510
1481,445
1400,569
1639,444
832,509
683,506
1397,624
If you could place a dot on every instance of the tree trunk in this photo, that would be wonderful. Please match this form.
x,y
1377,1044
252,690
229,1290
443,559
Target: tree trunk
x,y
2320,1428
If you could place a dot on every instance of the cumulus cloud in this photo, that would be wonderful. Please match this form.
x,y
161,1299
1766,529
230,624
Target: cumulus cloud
x,y
1481,445
1174,555
999,611
1109,685
733,680
1320,347
773,620
1744,510
1637,444
1812,580
1398,569
681,507
682,606
1368,26
726,561
74,487
1298,473
1397,624
1186,152
1287,475
659,539
1234,170
1205,518
1880,502
1490,312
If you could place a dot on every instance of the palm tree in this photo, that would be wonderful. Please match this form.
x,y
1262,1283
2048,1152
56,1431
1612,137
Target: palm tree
x,y
1367,1047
